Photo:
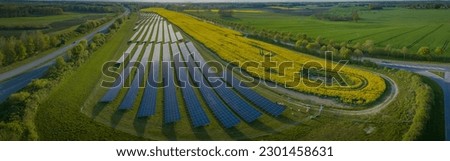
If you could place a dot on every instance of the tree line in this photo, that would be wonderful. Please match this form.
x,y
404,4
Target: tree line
x,y
28,10
14,49
45,9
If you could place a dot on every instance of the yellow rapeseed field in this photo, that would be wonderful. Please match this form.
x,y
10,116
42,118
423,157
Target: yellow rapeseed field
x,y
232,46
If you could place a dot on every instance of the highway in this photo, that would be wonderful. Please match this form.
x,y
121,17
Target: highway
x,y
16,79
424,69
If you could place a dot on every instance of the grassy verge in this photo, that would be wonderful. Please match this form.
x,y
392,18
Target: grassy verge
x,y
435,127
439,73
59,117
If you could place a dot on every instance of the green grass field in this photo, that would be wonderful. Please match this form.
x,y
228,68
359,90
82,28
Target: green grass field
x,y
42,20
397,27
50,23
59,117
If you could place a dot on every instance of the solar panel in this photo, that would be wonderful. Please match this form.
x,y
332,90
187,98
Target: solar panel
x,y
219,109
131,95
171,111
160,32
126,53
179,36
172,34
260,101
166,32
144,31
236,103
112,93
149,31
139,31
147,106
155,32
196,112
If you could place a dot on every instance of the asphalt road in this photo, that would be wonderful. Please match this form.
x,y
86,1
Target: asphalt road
x,y
16,79
424,69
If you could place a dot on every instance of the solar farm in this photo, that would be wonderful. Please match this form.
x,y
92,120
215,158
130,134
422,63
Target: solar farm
x,y
164,87
162,81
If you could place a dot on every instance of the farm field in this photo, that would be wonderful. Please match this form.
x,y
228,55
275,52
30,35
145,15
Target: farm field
x,y
397,27
47,23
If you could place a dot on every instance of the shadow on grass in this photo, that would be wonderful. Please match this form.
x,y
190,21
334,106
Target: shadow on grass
x,y
116,117
201,133
257,124
140,123
236,134
99,107
285,120
168,130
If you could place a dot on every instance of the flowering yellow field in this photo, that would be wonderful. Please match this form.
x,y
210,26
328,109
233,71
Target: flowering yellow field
x,y
232,46
235,11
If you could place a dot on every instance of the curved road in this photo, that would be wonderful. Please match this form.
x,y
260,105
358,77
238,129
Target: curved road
x,y
16,79
424,69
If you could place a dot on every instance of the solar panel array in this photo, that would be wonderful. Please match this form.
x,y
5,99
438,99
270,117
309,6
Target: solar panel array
x,y
262,102
131,95
114,91
148,102
172,33
160,31
171,111
239,105
126,53
195,110
228,105
219,109
149,30
166,32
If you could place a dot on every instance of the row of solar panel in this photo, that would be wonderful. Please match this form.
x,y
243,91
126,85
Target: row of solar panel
x,y
196,112
260,101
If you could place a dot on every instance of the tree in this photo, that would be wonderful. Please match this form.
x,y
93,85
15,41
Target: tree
x,y
439,51
357,45
1,58
10,51
424,51
84,43
358,53
404,51
54,42
99,39
21,50
323,48
42,41
30,46
92,46
319,40
225,13
19,98
312,46
345,52
61,63
298,44
369,45
355,16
